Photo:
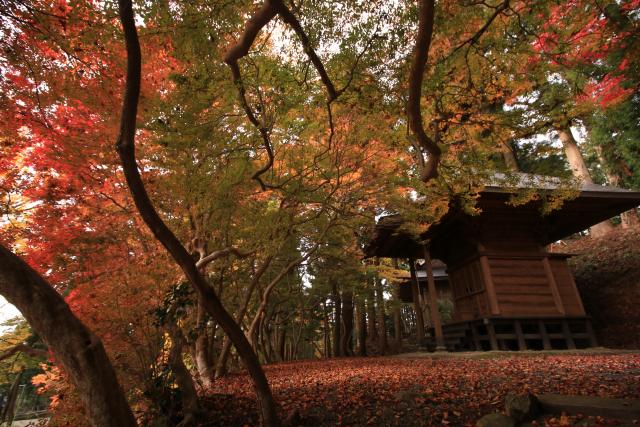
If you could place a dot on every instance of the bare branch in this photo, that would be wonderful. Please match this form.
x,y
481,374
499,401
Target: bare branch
x,y
23,348
203,262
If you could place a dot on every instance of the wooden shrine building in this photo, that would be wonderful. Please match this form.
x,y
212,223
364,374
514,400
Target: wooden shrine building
x,y
508,291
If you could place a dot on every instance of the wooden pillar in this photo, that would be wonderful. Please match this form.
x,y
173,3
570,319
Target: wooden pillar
x,y
415,292
433,301
475,337
566,331
592,336
546,343
522,344
492,334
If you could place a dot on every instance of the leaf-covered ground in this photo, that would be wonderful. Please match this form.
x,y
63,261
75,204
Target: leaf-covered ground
x,y
423,391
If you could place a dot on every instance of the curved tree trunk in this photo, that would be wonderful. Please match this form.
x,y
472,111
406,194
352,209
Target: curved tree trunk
x,y
126,150
629,218
579,170
80,351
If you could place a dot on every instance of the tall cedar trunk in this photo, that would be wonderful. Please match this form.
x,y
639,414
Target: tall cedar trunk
x,y
190,405
629,218
203,361
397,325
415,293
282,339
264,335
278,338
347,322
79,351
296,341
397,316
337,320
326,329
126,150
580,171
372,330
362,328
382,330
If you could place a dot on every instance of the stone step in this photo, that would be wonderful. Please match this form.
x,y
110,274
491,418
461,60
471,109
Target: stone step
x,y
623,409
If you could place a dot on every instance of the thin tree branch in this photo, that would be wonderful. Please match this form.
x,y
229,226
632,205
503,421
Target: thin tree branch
x,y
23,348
474,39
289,18
269,9
253,26
204,261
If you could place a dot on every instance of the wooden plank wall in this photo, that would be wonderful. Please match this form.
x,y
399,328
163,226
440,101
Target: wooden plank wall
x,y
522,287
468,291
567,287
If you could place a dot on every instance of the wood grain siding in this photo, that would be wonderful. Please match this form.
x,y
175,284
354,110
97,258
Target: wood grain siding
x,y
553,285
522,284
470,295
567,287
489,285
523,287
